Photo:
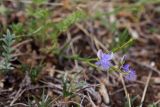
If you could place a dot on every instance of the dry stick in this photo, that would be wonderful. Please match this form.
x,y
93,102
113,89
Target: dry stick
x,y
122,89
82,101
125,90
91,36
86,33
18,104
72,48
90,99
157,102
145,89
65,103
20,91
18,94
89,86
55,99
22,43
146,66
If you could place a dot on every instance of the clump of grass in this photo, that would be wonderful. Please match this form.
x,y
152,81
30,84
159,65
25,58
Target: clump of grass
x,y
8,40
36,24
70,87
64,25
45,29
126,104
44,101
69,20
33,72
122,42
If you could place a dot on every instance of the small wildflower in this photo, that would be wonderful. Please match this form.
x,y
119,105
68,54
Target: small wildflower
x,y
131,76
104,60
126,67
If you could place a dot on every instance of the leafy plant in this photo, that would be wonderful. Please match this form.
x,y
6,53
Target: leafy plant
x,y
45,101
70,87
66,91
36,25
5,63
63,25
132,101
69,20
33,72
18,28
123,38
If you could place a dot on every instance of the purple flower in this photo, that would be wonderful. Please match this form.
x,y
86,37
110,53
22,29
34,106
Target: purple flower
x,y
126,67
104,60
131,76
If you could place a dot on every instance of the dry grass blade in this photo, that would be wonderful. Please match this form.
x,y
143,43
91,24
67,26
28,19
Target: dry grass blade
x,y
125,90
146,66
145,89
90,99
25,83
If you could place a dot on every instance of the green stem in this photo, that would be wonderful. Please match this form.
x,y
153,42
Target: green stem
x,y
123,46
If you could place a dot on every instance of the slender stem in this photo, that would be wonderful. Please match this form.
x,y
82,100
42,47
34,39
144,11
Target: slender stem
x,y
145,89
125,90
123,46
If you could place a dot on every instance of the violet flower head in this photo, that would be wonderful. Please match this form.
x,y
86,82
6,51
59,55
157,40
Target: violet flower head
x,y
131,76
126,67
104,60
